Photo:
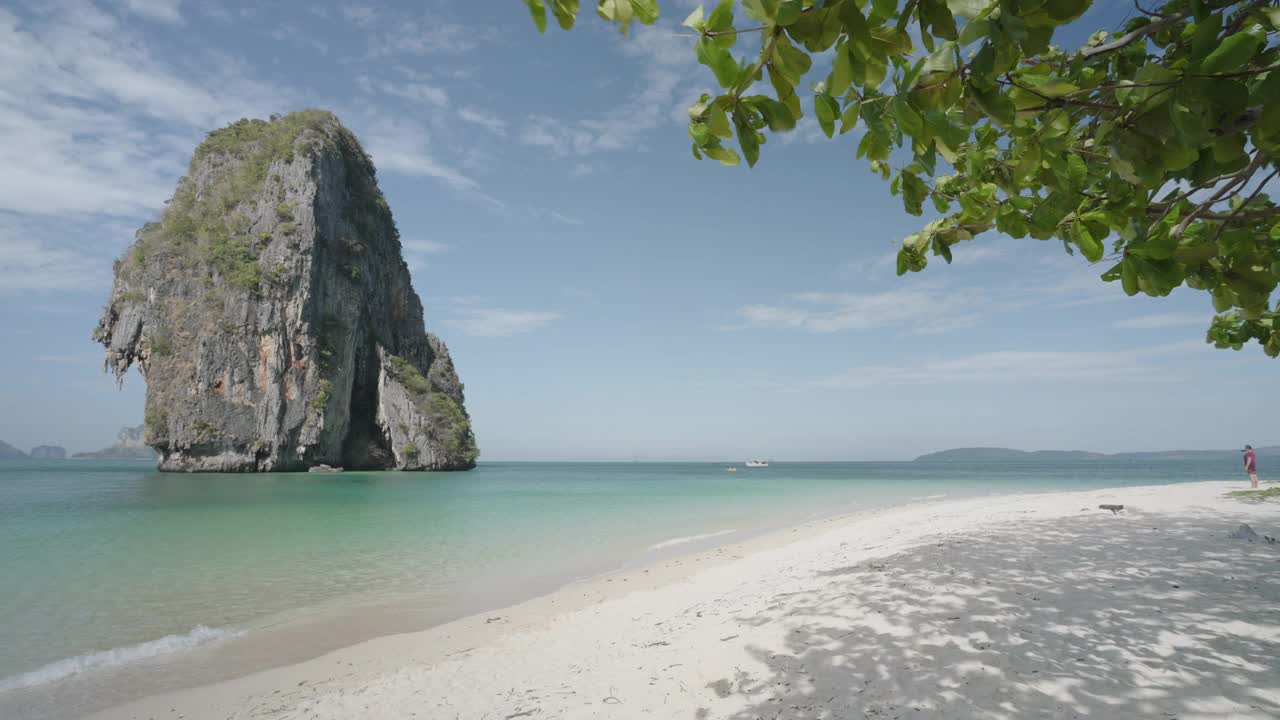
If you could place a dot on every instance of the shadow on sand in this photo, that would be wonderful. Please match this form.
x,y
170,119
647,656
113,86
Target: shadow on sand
x,y
1094,617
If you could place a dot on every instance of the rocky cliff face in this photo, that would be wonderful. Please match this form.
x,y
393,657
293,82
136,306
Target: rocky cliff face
x,y
9,452
48,452
271,314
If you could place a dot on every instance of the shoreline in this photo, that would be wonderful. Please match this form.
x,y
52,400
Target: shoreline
x,y
389,669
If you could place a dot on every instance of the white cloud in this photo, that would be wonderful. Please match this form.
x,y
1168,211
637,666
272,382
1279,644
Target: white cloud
x,y
27,265
669,82
975,252
403,147
564,218
295,34
1010,366
914,310
165,11
1163,320
416,91
425,38
424,247
361,15
497,322
80,101
488,121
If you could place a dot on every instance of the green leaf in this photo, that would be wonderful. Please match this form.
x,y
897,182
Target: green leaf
x,y
969,9
765,11
1089,246
791,61
789,11
973,31
539,12
909,120
942,60
747,138
841,72
1077,172
618,11
856,26
1128,278
826,109
1231,53
1028,161
646,11
817,29
725,155
914,192
718,122
941,22
696,19
1205,37
785,91
721,61
776,114
994,104
849,119
566,12
882,10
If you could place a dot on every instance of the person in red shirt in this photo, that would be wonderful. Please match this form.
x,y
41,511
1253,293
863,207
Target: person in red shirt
x,y
1251,464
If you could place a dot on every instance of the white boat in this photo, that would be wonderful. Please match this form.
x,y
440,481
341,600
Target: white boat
x,y
757,463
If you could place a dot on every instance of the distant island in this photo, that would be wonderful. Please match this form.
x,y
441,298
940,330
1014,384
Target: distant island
x,y
996,454
9,452
48,452
129,445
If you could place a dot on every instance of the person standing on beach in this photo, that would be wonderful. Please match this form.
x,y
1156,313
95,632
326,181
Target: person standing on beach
x,y
1251,465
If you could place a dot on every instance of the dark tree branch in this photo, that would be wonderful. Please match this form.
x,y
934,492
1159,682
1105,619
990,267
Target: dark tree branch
x,y
1202,208
1128,38
1235,214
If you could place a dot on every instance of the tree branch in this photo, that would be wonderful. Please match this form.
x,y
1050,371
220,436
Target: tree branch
x,y
1238,21
1235,214
1128,38
1202,208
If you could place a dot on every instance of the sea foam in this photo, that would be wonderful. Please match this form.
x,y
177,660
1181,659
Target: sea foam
x,y
115,657
688,539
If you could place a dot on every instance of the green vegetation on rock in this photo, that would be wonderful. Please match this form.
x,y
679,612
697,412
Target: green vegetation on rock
x,y
409,376
156,423
212,224
161,345
439,408
323,393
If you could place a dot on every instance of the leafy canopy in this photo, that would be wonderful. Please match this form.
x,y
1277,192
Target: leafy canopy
x,y
1148,150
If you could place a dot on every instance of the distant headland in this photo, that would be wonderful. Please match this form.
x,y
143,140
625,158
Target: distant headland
x,y
997,454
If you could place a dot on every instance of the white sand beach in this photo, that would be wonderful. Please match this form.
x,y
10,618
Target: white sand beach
x,y
1023,606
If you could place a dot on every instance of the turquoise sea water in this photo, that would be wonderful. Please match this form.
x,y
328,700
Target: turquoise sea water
x,y
112,571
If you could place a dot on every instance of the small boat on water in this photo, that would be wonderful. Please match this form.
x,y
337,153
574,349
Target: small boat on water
x,y
731,469
757,463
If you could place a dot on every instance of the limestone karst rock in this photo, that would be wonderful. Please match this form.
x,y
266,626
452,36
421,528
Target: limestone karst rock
x,y
272,316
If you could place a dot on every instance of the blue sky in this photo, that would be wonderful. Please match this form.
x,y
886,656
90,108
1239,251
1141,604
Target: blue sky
x,y
604,295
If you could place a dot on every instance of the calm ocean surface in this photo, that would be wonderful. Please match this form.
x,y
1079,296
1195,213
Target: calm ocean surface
x,y
119,580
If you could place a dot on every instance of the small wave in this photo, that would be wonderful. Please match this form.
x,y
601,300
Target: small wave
x,y
929,497
65,668
688,539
